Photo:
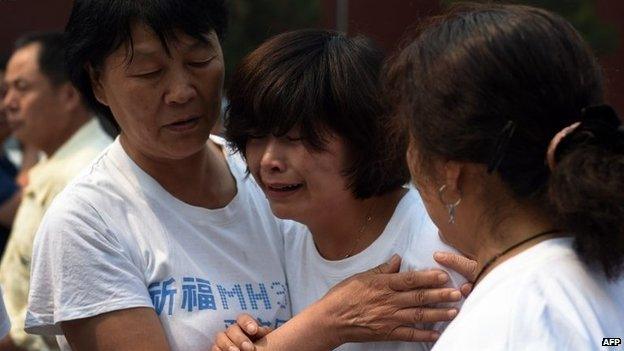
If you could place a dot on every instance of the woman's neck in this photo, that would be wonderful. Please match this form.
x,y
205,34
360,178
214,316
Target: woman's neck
x,y
517,233
202,179
355,226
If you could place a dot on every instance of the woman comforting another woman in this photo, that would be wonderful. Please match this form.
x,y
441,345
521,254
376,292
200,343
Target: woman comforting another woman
x,y
306,112
521,167
163,241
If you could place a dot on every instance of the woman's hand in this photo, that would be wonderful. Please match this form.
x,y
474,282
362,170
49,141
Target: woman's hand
x,y
377,305
460,264
382,305
240,336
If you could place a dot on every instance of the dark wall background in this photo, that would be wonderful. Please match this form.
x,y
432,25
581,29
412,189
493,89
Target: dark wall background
x,y
19,16
612,11
385,21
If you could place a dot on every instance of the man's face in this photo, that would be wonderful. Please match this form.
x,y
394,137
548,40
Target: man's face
x,y
31,101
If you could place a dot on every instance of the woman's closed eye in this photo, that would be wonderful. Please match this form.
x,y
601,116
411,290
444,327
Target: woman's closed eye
x,y
257,136
201,63
148,73
293,139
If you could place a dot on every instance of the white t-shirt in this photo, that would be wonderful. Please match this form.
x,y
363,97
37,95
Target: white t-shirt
x,y
544,298
115,239
5,322
410,233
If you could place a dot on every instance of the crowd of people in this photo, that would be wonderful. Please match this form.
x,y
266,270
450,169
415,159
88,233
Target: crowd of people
x,y
464,193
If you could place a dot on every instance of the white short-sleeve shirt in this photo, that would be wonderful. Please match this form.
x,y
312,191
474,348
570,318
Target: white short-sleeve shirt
x,y
409,233
545,298
115,239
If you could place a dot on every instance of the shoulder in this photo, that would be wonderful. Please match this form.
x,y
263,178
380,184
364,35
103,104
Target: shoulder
x,y
571,292
81,150
96,183
90,200
294,233
422,239
245,181
410,215
544,298
235,160
492,317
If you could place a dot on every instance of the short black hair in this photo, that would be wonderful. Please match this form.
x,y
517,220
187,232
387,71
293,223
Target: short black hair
x,y
325,83
97,28
51,58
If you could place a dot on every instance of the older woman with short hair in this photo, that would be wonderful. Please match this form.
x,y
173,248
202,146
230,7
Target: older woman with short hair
x,y
521,166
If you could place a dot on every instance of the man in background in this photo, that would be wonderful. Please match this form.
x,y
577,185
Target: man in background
x,y
9,190
13,173
43,109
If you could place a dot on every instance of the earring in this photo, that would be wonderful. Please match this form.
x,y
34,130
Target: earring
x,y
450,207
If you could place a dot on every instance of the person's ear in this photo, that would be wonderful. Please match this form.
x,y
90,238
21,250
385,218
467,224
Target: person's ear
x,y
96,84
452,172
70,97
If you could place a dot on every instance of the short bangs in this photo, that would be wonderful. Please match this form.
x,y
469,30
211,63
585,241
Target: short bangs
x,y
325,84
97,28
283,84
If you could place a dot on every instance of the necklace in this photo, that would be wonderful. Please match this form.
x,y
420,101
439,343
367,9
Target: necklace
x,y
493,259
368,219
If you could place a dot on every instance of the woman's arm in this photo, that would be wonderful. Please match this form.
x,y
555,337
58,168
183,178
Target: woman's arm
x,y
86,284
133,329
378,305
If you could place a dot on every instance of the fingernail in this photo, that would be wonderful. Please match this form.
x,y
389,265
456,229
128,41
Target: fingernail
x,y
233,348
394,259
452,313
247,346
435,336
252,328
442,278
456,295
437,255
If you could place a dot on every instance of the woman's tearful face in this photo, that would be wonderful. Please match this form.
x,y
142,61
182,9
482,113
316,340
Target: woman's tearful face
x,y
300,182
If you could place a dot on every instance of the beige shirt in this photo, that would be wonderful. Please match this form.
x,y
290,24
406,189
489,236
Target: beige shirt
x,y
46,180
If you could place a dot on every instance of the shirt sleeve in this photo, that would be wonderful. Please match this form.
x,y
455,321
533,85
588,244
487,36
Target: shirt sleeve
x,y
80,269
